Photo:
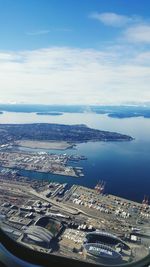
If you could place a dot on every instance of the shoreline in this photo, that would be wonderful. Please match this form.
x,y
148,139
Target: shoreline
x,y
48,145
40,171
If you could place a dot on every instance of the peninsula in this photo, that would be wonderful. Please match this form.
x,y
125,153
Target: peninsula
x,y
10,133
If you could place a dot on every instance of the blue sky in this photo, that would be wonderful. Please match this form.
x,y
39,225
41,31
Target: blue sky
x,y
62,22
74,51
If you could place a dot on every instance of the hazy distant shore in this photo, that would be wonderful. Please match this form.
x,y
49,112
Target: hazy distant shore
x,y
50,113
114,111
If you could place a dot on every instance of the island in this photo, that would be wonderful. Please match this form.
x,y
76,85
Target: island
x,y
126,115
50,113
116,111
10,133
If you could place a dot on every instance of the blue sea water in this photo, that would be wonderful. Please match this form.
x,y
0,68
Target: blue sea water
x,y
125,166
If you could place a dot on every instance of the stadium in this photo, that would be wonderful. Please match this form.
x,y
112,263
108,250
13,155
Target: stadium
x,y
52,225
43,232
105,238
104,247
102,253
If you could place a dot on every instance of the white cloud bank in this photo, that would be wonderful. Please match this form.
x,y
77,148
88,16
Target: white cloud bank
x,y
73,76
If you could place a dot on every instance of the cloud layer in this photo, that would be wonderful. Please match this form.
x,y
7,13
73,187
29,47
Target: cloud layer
x,y
63,75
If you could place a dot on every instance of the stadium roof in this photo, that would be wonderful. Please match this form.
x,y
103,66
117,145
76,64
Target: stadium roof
x,y
39,234
104,234
100,250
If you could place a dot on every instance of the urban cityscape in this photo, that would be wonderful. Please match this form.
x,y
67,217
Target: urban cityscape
x,y
74,133
72,221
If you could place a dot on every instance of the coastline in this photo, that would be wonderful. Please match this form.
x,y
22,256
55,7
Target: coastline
x,y
48,144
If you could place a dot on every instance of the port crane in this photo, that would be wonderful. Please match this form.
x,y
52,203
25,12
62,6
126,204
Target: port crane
x,y
145,201
100,187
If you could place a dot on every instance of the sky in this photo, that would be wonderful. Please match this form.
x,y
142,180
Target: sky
x,y
75,51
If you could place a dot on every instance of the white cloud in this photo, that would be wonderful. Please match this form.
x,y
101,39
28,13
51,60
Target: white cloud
x,y
135,30
113,19
138,33
63,75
